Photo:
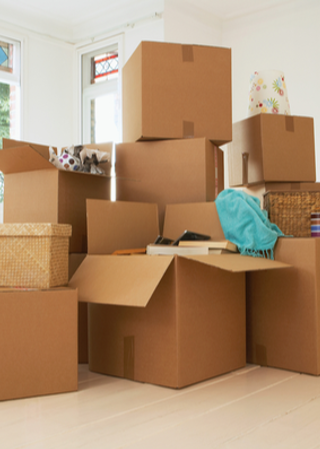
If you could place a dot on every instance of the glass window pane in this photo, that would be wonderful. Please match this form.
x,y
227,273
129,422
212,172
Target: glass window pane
x,y
6,56
105,120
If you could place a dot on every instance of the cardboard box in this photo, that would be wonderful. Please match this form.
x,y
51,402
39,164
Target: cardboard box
x,y
171,171
283,320
75,260
167,320
38,343
272,148
259,190
36,191
174,91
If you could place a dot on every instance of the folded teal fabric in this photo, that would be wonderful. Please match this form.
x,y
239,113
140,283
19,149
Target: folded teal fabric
x,y
245,224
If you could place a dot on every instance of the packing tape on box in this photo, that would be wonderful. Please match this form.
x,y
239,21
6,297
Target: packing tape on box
x,y
128,357
245,168
289,123
187,53
261,355
188,129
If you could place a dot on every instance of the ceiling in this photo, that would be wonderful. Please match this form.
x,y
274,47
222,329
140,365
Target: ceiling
x,y
71,19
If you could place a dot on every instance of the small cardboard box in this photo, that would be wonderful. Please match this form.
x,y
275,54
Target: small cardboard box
x,y
272,148
36,191
34,255
170,171
75,260
167,320
38,343
174,91
283,319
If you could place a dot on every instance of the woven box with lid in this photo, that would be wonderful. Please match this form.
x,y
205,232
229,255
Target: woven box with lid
x,y
34,255
291,210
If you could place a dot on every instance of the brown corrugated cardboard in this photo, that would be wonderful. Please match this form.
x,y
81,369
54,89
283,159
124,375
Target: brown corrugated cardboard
x,y
174,91
167,320
38,343
272,148
36,191
283,318
75,259
171,171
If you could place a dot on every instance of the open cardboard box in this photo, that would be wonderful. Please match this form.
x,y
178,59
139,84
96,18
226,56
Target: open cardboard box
x,y
175,91
272,148
167,320
38,342
36,191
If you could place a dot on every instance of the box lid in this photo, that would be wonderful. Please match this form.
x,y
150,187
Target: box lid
x,y
116,225
119,280
237,263
131,280
22,159
199,217
35,229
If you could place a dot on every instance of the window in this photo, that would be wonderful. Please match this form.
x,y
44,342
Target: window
x,y
9,96
101,95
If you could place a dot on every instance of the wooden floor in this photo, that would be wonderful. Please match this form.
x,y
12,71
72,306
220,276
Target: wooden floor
x,y
254,407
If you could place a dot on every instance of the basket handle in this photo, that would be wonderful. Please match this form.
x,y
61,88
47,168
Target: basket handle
x,y
245,163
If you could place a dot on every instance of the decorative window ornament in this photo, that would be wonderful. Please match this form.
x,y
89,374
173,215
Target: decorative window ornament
x,y
6,56
104,67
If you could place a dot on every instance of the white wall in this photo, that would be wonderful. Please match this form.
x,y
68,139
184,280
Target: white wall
x,y
188,24
285,38
153,30
47,87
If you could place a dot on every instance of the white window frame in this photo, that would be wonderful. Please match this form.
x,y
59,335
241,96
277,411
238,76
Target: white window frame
x,y
92,91
14,78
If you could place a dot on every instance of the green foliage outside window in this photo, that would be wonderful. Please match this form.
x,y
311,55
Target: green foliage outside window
x,y
4,122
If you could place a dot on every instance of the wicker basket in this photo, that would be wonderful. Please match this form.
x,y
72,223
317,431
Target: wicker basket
x,y
291,210
34,255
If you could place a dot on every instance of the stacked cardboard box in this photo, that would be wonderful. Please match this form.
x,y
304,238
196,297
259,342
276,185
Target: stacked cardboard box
x,y
176,113
167,320
37,192
274,155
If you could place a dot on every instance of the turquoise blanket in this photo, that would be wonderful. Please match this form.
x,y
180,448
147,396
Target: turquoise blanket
x,y
245,224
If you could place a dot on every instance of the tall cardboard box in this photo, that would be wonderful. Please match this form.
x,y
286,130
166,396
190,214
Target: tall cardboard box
x,y
283,309
272,148
38,342
36,191
174,91
166,320
170,171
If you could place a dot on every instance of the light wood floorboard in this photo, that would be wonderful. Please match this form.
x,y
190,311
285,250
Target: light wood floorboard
x,y
254,407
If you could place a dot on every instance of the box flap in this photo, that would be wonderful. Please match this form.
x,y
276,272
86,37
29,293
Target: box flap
x,y
197,217
22,159
115,225
238,263
119,280
42,149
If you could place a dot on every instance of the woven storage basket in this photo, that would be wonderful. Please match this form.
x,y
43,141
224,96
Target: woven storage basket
x,y
291,210
34,255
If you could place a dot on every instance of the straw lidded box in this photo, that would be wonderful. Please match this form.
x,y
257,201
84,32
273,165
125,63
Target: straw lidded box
x,y
34,255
